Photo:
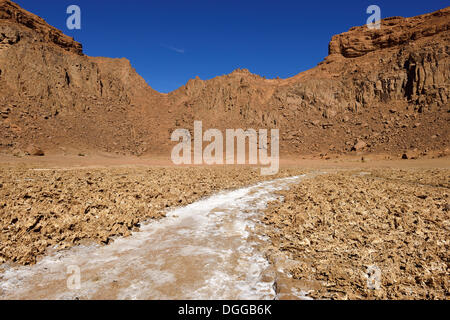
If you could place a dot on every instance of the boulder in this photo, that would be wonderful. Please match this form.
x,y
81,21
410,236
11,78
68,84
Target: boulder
x,y
18,153
411,154
35,151
359,145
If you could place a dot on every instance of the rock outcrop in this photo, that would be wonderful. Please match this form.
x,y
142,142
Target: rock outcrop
x,y
395,31
34,27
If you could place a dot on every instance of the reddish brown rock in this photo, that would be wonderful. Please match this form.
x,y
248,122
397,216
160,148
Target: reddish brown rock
x,y
394,31
359,145
12,14
35,151
101,104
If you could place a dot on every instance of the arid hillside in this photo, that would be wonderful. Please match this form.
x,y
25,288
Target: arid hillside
x,y
381,91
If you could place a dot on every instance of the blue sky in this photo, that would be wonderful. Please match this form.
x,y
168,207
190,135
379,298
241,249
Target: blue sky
x,y
170,42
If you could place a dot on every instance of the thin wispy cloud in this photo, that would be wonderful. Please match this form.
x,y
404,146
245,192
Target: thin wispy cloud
x,y
174,49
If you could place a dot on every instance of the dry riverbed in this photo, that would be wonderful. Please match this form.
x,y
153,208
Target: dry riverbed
x,y
41,209
329,234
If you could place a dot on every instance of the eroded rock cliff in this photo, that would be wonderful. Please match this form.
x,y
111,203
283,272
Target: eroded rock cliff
x,y
387,90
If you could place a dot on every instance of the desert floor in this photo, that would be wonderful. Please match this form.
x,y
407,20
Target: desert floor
x,y
323,235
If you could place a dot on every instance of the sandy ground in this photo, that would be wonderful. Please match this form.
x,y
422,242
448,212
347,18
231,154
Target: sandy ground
x,y
104,160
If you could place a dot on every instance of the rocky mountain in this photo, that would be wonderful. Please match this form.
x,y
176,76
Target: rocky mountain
x,y
54,96
381,91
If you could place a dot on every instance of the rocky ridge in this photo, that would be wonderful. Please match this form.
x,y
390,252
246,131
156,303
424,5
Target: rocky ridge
x,y
379,91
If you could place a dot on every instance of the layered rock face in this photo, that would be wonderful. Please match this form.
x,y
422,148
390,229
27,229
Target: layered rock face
x,y
11,13
387,90
415,57
395,31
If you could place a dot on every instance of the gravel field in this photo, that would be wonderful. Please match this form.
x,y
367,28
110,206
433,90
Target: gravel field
x,y
47,208
340,229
